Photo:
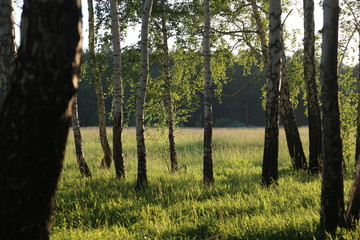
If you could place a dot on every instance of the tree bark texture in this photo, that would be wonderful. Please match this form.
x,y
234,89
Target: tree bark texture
x,y
106,161
83,167
314,117
357,148
261,34
271,146
208,164
287,113
140,103
35,117
168,101
353,210
332,193
118,93
7,43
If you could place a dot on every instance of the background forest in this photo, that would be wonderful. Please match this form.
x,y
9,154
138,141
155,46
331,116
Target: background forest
x,y
185,109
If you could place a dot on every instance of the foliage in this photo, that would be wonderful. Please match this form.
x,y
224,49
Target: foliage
x,y
295,73
187,72
348,101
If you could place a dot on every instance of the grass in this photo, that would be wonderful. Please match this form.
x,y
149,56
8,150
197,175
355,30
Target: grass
x,y
178,206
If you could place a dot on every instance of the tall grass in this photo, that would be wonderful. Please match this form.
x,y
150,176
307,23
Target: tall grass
x,y
178,206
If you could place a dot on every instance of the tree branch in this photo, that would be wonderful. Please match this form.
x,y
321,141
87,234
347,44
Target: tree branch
x,y
233,32
244,86
357,23
345,49
286,18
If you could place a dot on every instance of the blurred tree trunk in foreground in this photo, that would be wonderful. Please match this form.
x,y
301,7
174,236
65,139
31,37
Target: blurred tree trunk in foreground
x,y
35,118
7,43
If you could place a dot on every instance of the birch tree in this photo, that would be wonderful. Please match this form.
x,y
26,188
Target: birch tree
x,y
287,113
351,7
353,210
357,147
140,102
332,193
313,108
167,88
271,146
83,167
208,164
106,161
35,117
296,151
7,43
118,93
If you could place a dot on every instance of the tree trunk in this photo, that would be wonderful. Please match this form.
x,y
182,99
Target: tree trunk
x,y
35,117
352,213
7,43
208,164
118,93
261,34
314,118
140,103
287,112
293,140
357,148
271,146
106,161
168,100
83,167
332,192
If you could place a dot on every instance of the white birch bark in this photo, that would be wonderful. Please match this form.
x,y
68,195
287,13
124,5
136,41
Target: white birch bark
x,y
270,158
80,158
118,93
106,161
168,100
287,112
140,103
208,165
314,117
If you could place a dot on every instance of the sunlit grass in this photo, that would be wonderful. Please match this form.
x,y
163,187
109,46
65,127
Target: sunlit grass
x,y
178,206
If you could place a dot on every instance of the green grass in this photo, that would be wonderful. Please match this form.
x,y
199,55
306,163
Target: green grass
x,y
178,206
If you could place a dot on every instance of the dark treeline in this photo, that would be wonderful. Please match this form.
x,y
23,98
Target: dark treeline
x,y
243,109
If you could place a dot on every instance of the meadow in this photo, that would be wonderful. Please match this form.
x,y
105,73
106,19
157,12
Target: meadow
x,y
179,206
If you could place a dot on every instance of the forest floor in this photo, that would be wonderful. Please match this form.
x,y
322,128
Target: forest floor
x,y
179,206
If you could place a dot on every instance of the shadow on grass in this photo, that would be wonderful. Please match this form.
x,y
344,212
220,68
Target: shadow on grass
x,y
105,202
209,231
288,233
301,176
